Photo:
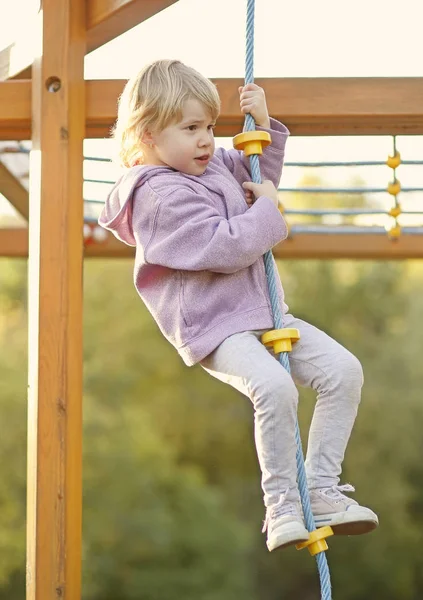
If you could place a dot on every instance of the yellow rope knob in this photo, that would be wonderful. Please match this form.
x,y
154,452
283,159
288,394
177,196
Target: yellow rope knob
x,y
394,188
394,161
395,211
281,339
395,232
281,207
252,142
316,543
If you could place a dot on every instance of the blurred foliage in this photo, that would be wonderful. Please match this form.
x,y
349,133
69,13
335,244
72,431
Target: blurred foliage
x,y
304,201
172,501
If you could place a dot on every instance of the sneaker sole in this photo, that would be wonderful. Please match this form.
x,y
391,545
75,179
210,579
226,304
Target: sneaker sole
x,y
287,536
346,523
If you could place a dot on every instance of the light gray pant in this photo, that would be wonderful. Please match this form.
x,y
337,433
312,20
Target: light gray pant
x,y
317,361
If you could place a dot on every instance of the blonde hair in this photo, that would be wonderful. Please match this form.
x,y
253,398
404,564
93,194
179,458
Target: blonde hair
x,y
153,99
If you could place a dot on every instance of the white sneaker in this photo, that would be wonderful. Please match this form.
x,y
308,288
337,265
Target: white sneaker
x,y
284,524
346,517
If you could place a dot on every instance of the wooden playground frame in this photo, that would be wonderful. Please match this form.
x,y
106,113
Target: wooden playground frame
x,y
48,101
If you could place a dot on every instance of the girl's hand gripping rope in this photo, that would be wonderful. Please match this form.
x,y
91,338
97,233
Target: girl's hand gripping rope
x,y
256,190
252,100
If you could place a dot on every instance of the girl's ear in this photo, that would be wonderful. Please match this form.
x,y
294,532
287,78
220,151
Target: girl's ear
x,y
147,138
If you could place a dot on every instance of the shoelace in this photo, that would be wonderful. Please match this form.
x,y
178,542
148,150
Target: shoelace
x,y
336,491
281,508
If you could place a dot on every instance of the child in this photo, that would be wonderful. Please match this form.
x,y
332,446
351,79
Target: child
x,y
199,237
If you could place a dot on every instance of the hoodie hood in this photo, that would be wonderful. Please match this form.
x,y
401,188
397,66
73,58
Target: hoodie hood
x,y
116,215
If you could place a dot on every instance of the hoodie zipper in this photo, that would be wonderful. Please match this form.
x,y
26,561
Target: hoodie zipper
x,y
182,303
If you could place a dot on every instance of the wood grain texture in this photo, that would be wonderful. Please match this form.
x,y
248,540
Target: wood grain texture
x,y
54,521
14,243
338,106
107,19
13,190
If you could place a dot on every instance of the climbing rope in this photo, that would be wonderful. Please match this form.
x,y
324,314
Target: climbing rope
x,y
321,560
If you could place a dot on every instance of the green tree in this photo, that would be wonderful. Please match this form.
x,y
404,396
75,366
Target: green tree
x,y
172,503
13,384
169,525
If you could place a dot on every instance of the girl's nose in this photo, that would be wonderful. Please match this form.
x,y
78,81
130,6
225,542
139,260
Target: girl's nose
x,y
205,140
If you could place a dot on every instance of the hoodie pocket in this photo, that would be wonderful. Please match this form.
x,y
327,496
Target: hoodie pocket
x,y
182,303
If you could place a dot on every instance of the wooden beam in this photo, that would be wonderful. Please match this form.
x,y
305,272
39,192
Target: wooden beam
x,y
54,523
14,244
15,110
334,106
15,60
105,20
343,106
306,246
14,191
357,246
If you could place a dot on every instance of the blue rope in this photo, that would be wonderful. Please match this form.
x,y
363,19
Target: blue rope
x,y
321,560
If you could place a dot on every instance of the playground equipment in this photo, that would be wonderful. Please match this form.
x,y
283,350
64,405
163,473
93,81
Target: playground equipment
x,y
48,102
252,142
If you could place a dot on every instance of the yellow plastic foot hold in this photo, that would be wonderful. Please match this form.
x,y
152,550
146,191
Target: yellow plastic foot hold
x,y
252,142
394,161
280,339
316,543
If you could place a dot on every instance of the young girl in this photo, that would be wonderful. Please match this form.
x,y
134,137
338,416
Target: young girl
x,y
188,209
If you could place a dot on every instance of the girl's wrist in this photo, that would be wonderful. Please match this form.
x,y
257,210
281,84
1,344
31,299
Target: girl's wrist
x,y
265,123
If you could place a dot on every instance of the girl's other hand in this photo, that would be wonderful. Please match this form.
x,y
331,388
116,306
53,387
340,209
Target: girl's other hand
x,y
249,198
262,189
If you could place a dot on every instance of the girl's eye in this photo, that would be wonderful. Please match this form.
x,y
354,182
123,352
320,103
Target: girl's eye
x,y
192,127
210,127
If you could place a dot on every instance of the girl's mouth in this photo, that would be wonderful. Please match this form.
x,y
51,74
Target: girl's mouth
x,y
203,159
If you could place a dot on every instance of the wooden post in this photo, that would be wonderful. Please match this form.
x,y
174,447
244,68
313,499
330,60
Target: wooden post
x,y
55,306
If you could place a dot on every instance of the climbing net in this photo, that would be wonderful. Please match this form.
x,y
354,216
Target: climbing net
x,y
387,217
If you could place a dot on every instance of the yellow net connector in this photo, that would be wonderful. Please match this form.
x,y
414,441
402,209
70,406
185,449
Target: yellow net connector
x,y
281,207
394,161
316,543
252,142
395,232
394,188
395,211
280,339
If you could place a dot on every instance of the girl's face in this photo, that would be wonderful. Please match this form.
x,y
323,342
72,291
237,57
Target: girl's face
x,y
186,146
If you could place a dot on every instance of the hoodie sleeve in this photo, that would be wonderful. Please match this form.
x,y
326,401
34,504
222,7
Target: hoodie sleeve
x,y
188,233
271,161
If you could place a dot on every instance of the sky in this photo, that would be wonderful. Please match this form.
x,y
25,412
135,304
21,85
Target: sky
x,y
305,38
292,39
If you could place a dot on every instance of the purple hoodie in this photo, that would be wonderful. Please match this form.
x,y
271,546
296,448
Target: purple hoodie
x,y
198,263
